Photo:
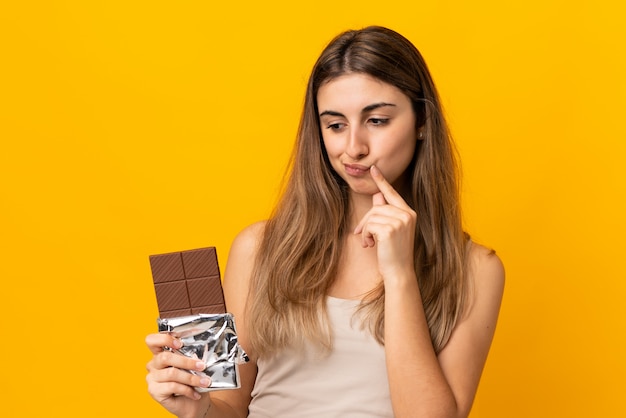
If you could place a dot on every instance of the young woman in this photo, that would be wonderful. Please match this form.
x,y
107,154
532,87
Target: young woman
x,y
361,296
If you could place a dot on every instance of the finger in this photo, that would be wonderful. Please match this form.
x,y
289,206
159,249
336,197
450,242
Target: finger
x,y
176,375
156,342
382,228
378,199
390,194
367,238
382,221
167,359
162,391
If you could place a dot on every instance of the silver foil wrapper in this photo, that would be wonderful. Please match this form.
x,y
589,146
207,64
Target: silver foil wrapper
x,y
212,339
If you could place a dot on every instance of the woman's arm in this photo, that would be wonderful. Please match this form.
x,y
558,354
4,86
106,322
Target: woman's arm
x,y
236,286
423,384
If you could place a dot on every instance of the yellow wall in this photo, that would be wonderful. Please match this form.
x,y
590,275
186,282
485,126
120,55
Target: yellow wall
x,y
130,128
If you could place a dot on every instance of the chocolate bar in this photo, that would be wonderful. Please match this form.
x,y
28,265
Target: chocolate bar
x,y
187,283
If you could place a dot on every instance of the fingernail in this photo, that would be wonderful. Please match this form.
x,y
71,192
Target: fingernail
x,y
177,343
205,382
200,365
374,170
196,395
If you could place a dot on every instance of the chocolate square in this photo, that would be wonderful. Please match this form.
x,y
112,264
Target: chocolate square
x,y
172,296
167,268
200,263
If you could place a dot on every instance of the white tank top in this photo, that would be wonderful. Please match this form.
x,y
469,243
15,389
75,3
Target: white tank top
x,y
351,382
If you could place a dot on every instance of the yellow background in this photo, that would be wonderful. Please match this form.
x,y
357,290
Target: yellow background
x,y
131,128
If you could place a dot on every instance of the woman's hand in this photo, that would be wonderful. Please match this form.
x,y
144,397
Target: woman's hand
x,y
390,226
171,386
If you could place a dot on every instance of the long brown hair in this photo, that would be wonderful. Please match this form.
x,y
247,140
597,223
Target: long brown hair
x,y
299,253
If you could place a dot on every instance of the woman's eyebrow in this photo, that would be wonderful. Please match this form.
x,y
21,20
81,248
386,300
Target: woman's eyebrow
x,y
375,106
330,113
366,109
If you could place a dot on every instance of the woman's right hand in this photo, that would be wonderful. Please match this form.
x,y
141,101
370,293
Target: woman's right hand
x,y
171,386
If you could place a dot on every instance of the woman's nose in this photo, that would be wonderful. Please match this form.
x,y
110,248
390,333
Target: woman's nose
x,y
357,147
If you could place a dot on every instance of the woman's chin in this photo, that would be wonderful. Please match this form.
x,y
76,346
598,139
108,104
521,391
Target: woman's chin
x,y
363,189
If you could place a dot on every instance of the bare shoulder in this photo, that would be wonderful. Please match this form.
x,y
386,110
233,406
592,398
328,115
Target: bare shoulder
x,y
486,276
486,271
241,257
248,238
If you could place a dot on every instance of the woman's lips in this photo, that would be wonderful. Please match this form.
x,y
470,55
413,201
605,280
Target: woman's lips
x,y
356,170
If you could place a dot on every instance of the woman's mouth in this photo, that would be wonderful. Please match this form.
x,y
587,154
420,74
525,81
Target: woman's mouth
x,y
356,170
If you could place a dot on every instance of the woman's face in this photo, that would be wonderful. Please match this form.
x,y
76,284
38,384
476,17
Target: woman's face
x,y
365,122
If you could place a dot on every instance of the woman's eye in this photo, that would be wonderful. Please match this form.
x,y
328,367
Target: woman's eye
x,y
379,121
335,126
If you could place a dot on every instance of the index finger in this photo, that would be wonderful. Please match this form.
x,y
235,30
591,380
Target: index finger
x,y
389,193
156,342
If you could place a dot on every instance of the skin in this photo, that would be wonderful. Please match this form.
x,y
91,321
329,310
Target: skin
x,y
369,132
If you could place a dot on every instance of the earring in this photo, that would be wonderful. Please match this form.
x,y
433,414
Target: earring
x,y
420,135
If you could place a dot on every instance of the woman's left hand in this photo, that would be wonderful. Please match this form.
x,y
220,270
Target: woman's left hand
x,y
390,226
